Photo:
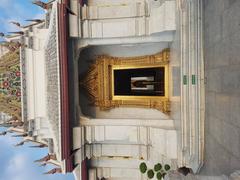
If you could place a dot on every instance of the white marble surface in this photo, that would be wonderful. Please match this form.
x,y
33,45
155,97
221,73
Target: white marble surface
x,y
115,19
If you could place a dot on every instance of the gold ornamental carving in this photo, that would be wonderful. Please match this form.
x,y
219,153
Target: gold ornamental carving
x,y
98,81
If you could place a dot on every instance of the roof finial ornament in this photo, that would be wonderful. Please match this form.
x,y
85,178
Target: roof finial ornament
x,y
20,135
47,158
49,162
36,20
17,32
16,124
20,144
54,171
39,146
43,5
16,23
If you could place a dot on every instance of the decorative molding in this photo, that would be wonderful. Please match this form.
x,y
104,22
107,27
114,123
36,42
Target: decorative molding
x,y
135,19
167,124
183,4
99,79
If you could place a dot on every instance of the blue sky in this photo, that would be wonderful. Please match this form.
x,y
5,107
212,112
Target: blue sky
x,y
16,163
17,10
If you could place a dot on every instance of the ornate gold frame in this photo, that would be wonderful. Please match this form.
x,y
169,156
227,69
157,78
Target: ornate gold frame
x,y
99,81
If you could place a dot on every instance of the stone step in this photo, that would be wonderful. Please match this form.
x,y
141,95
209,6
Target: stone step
x,y
134,151
177,176
157,123
131,141
128,138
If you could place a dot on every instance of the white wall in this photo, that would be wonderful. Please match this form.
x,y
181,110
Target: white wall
x,y
118,19
36,83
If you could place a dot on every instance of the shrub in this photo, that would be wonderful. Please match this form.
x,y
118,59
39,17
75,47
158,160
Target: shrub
x,y
157,167
159,176
143,167
150,174
167,167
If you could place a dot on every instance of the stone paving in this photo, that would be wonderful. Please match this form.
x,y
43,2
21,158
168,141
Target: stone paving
x,y
222,68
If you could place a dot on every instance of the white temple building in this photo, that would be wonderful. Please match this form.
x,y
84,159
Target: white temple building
x,y
109,135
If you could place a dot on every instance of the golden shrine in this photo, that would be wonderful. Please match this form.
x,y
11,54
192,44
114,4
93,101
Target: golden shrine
x,y
100,81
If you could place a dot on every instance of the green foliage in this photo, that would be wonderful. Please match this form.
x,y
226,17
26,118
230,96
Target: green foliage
x,y
167,167
150,174
159,176
143,167
157,167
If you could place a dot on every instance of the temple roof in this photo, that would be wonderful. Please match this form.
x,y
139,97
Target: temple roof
x,y
10,84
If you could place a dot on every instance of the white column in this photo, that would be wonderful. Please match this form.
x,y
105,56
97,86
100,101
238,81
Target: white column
x,y
192,84
30,83
40,89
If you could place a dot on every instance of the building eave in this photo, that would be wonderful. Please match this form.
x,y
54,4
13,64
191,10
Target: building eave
x,y
66,130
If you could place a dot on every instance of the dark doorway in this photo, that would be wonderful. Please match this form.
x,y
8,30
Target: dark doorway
x,y
139,82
